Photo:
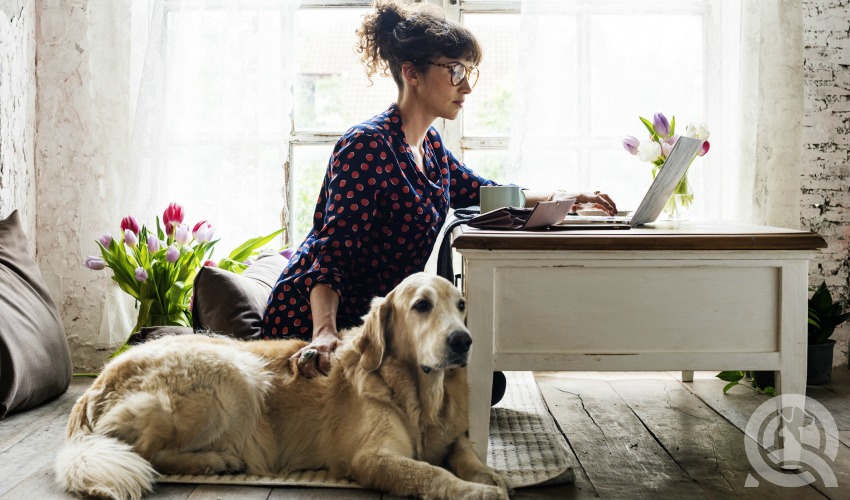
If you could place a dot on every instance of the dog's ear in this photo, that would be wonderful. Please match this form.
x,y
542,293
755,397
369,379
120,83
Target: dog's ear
x,y
373,341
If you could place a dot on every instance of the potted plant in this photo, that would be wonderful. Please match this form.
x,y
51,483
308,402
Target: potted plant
x,y
824,316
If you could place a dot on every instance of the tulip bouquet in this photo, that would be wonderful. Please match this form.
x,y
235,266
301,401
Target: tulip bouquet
x,y
158,268
662,138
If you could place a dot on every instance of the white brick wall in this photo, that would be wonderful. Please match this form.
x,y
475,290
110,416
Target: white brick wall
x,y
17,113
825,183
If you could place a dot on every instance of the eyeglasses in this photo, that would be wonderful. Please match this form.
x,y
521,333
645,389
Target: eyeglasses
x,y
459,72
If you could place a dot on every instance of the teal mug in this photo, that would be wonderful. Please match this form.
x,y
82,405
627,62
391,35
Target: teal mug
x,y
493,197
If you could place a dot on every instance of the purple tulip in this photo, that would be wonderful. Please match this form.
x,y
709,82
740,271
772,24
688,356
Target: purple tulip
x,y
631,144
130,238
287,253
95,263
105,240
172,254
153,243
661,125
141,274
182,234
704,149
130,223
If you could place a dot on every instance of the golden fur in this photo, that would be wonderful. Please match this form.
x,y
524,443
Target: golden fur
x,y
391,413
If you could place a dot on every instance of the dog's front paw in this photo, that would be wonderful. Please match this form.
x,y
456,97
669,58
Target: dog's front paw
x,y
224,463
484,492
491,477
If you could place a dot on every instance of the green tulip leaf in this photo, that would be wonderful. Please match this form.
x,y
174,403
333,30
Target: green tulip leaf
x,y
730,376
244,250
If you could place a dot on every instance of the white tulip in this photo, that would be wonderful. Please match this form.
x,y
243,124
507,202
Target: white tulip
x,y
649,151
697,131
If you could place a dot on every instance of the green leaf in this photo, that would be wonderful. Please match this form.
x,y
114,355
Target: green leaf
x,y
672,126
648,125
729,386
770,391
730,376
821,300
244,250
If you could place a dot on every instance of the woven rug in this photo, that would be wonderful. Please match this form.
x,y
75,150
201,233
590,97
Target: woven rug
x,y
524,445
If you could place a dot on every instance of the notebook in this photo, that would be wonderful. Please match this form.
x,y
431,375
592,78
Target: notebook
x,y
656,197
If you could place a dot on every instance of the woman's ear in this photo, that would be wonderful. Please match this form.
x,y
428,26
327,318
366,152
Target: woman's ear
x,y
409,74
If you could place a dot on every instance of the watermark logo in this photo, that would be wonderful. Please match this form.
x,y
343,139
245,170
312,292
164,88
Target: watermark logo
x,y
808,434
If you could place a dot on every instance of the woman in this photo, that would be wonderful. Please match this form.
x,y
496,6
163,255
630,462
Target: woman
x,y
388,187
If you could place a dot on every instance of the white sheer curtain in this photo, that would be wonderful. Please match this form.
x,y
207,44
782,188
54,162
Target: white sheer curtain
x,y
771,112
743,78
211,100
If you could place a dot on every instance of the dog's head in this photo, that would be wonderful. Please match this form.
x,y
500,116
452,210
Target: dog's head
x,y
420,321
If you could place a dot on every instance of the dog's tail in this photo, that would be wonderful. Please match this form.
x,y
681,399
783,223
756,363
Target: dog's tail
x,y
94,465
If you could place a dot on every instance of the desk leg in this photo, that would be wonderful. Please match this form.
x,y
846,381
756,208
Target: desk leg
x,y
791,377
687,375
478,281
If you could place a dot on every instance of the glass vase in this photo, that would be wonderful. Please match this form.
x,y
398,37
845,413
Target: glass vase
x,y
681,199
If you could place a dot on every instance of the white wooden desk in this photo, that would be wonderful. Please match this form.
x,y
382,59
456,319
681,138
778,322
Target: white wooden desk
x,y
675,296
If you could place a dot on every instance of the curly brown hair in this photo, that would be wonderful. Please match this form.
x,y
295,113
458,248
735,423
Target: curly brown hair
x,y
395,33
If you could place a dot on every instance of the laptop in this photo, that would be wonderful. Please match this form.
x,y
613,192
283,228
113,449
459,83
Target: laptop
x,y
656,197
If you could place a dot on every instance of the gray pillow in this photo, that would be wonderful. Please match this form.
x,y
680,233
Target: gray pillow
x,y
233,304
35,362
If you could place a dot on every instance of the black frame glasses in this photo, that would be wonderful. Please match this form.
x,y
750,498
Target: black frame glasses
x,y
459,72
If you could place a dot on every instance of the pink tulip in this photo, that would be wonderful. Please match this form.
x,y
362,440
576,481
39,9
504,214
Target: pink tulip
x,y
704,149
210,263
172,217
130,238
141,274
203,231
661,125
287,253
95,263
130,223
105,240
631,144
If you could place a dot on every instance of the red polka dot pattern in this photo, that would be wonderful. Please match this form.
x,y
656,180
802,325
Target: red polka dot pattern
x,y
375,223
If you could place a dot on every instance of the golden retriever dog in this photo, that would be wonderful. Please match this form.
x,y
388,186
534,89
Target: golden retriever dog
x,y
391,414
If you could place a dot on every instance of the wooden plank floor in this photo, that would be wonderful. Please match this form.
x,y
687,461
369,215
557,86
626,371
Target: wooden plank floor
x,y
632,435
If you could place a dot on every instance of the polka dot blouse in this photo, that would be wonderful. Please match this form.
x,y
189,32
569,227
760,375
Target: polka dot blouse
x,y
375,223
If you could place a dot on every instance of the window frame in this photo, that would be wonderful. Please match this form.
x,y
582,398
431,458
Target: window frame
x,y
584,144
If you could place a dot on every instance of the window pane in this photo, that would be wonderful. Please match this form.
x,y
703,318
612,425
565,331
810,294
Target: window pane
x,y
488,163
309,164
224,73
548,166
235,188
332,92
642,64
550,82
487,111
625,178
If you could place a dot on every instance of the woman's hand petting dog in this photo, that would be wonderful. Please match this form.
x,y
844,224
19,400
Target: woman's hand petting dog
x,y
314,359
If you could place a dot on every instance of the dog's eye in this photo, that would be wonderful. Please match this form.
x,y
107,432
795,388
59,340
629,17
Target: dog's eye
x,y
422,305
461,305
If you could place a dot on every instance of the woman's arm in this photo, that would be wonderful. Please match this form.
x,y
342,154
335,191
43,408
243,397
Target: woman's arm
x,y
324,303
599,201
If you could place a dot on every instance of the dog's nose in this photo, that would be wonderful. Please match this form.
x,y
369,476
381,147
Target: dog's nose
x,y
459,341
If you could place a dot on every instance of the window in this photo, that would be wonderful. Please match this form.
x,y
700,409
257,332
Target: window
x,y
597,65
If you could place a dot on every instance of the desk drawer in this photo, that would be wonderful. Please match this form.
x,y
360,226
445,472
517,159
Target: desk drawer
x,y
652,307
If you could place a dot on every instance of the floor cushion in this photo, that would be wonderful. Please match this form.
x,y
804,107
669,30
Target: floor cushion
x,y
233,304
35,362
